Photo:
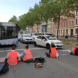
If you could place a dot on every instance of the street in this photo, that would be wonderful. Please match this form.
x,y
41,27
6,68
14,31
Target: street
x,y
66,66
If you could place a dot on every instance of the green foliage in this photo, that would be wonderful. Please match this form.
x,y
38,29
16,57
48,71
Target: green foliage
x,y
13,19
47,9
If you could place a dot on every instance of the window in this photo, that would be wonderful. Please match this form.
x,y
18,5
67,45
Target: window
x,y
66,23
69,23
66,31
50,38
76,12
61,24
0,33
72,23
76,30
76,21
39,37
61,31
43,37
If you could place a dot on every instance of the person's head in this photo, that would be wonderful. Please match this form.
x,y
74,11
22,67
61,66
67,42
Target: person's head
x,y
13,47
26,46
52,45
74,45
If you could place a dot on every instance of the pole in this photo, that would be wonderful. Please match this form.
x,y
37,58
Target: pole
x,y
77,34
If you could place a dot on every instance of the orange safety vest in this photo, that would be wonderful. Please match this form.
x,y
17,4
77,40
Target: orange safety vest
x,y
28,55
53,52
12,58
74,48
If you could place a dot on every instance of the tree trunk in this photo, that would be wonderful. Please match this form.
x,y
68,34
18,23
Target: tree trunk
x,y
46,26
37,28
77,34
58,27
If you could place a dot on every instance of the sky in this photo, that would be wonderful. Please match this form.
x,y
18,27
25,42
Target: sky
x,y
8,8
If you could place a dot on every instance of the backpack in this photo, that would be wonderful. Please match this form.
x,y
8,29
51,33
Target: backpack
x,y
76,51
4,67
39,60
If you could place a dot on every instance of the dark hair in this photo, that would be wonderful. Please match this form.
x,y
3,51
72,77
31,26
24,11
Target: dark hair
x,y
27,46
13,47
52,45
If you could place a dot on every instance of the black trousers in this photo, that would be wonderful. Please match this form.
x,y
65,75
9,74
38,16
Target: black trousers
x,y
47,54
71,53
27,61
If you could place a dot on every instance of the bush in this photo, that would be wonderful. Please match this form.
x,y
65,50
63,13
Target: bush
x,y
66,42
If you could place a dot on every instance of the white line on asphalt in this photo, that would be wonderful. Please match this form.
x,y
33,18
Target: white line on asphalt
x,y
65,50
63,54
21,49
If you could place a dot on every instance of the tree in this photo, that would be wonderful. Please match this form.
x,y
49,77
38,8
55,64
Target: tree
x,y
45,11
13,19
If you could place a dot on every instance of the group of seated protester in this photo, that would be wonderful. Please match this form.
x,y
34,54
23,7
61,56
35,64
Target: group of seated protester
x,y
13,56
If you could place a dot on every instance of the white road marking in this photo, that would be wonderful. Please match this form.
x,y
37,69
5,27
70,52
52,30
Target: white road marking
x,y
62,54
65,50
21,49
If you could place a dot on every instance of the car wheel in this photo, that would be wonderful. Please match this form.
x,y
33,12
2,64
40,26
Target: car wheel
x,y
35,44
47,46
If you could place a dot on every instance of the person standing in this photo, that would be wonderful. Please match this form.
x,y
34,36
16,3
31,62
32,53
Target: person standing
x,y
13,56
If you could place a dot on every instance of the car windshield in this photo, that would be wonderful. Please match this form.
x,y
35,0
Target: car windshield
x,y
50,38
26,35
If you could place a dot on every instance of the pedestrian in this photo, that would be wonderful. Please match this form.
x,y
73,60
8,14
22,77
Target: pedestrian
x,y
52,52
27,55
13,56
73,51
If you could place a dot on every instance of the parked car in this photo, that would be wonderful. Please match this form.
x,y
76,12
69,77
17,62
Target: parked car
x,y
19,37
46,41
26,38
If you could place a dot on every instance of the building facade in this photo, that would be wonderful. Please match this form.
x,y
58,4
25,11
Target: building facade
x,y
68,26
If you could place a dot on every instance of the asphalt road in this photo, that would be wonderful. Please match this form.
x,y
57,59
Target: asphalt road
x,y
66,66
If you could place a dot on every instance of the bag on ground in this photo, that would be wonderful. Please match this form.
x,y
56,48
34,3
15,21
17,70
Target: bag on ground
x,y
39,62
38,65
4,67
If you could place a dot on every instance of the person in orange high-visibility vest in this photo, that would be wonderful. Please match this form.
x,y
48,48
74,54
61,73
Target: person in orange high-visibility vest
x,y
13,56
72,52
52,52
27,55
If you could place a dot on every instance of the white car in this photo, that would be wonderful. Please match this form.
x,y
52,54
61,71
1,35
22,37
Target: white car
x,y
46,41
19,36
26,38
34,35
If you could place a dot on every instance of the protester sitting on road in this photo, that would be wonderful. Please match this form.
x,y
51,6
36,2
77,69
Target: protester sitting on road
x,y
13,56
52,52
73,51
27,55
